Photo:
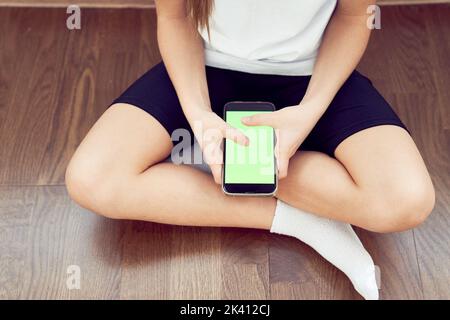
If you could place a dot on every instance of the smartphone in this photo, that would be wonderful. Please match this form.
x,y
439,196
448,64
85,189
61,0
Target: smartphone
x,y
249,170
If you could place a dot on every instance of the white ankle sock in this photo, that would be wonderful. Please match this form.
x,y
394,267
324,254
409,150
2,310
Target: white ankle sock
x,y
335,241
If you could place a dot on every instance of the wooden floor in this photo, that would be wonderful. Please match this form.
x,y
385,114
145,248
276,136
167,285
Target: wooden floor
x,y
55,83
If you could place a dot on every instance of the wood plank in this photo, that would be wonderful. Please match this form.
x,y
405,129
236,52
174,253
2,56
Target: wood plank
x,y
146,261
195,267
43,233
16,207
51,105
9,61
99,65
438,31
399,59
245,264
33,90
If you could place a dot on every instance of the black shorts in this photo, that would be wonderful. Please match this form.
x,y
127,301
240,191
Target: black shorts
x,y
357,105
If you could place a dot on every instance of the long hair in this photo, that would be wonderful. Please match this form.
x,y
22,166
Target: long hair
x,y
200,10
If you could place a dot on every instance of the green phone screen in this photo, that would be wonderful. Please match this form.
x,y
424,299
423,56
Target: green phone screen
x,y
254,163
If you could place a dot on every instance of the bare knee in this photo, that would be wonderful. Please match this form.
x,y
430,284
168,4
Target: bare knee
x,y
400,208
92,188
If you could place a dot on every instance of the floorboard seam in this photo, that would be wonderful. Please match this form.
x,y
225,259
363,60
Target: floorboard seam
x,y
418,264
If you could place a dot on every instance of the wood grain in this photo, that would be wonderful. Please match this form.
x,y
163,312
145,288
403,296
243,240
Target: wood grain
x,y
95,55
54,84
33,62
245,268
16,207
441,47
43,233
59,98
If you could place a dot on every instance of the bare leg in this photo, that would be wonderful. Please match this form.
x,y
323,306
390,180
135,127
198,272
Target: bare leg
x,y
115,172
379,181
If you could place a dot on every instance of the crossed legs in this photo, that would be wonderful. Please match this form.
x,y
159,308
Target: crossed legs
x,y
378,181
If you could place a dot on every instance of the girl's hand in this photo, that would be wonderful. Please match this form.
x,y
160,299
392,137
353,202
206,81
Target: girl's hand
x,y
210,130
292,125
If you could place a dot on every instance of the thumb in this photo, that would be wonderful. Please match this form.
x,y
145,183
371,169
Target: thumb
x,y
282,164
216,170
260,119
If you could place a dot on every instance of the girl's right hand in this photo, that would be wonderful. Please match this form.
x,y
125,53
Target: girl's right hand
x,y
210,130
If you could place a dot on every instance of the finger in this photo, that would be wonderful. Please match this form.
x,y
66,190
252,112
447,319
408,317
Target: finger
x,y
260,119
282,165
216,170
213,153
236,135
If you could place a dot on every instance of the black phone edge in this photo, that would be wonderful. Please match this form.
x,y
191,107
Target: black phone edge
x,y
259,189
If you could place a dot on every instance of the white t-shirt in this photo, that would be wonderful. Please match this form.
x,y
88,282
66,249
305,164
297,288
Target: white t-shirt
x,y
266,36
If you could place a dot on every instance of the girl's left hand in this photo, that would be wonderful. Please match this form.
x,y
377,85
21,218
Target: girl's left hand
x,y
292,125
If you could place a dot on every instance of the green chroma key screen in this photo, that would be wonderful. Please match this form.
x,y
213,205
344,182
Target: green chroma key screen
x,y
253,163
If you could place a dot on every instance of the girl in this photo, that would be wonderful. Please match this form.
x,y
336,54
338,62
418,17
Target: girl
x,y
344,156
